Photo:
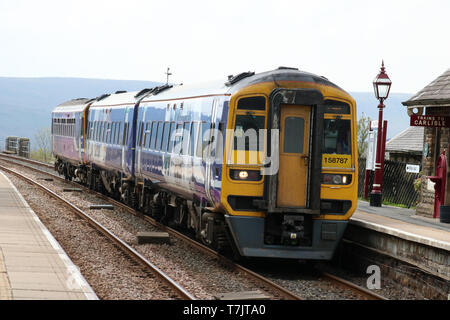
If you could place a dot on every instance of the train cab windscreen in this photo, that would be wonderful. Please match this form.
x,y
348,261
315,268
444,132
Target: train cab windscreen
x,y
337,136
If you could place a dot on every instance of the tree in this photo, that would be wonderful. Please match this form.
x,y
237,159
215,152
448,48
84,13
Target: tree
x,y
363,133
43,139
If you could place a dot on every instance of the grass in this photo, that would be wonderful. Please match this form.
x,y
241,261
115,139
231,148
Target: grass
x,y
387,203
40,155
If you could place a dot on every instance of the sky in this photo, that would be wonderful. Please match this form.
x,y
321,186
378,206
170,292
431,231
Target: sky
x,y
344,41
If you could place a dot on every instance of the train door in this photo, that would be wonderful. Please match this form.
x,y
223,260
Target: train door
x,y
294,156
81,137
210,177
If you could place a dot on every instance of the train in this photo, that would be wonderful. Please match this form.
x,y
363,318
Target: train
x,y
261,164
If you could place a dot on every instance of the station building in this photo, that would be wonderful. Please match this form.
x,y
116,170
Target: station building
x,y
430,109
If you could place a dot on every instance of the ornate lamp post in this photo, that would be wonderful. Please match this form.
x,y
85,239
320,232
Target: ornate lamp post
x,y
381,86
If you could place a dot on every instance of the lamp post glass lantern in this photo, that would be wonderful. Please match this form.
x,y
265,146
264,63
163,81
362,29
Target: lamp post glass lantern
x,y
381,86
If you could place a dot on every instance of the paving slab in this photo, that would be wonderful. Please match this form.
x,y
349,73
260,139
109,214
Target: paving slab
x,y
32,263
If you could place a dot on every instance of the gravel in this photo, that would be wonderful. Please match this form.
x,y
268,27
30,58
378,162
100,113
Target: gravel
x,y
110,273
203,275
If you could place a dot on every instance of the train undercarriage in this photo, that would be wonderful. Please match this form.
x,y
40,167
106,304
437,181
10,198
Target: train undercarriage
x,y
191,216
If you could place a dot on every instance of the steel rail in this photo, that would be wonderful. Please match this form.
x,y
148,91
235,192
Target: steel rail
x,y
120,243
224,260
355,288
237,267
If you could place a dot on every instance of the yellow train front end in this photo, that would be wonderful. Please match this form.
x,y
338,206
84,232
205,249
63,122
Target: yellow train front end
x,y
290,169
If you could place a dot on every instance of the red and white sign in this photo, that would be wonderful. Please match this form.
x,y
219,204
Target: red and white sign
x,y
430,121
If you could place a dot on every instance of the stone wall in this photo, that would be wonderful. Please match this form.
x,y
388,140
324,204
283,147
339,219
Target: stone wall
x,y
426,201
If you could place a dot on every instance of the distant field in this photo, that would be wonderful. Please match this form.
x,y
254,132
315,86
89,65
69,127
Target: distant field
x,y
26,103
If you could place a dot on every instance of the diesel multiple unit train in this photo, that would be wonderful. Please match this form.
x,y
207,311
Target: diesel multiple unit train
x,y
263,163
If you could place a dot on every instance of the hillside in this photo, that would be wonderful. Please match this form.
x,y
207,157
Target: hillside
x,y
26,103
394,112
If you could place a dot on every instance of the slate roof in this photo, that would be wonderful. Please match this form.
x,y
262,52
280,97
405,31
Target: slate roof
x,y
437,93
407,141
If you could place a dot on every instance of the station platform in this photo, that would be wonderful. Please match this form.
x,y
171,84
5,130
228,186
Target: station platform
x,y
400,234
33,266
404,222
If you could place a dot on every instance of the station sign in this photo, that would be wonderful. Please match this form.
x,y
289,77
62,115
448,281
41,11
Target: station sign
x,y
371,151
412,168
430,121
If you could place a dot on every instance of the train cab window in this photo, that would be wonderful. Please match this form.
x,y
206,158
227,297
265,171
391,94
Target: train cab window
x,y
337,134
252,103
246,132
159,135
153,135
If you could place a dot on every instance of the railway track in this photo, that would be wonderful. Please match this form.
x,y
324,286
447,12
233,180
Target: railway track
x,y
128,250
265,282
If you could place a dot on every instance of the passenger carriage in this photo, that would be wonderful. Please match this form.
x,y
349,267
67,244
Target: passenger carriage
x,y
265,163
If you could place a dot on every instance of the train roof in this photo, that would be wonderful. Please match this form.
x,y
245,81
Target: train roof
x,y
72,105
115,99
218,87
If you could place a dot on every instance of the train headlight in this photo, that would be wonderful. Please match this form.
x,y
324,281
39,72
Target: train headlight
x,y
245,175
337,179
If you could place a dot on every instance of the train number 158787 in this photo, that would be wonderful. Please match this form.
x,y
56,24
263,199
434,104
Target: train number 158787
x,y
333,160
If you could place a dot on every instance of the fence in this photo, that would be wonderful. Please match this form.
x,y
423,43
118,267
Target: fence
x,y
398,185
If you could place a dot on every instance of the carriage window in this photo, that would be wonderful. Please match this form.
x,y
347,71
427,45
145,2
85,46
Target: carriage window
x,y
171,136
159,135
124,139
140,132
337,134
153,139
186,135
178,139
194,134
114,133
165,139
104,129
146,134
246,134
108,133
118,132
203,138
